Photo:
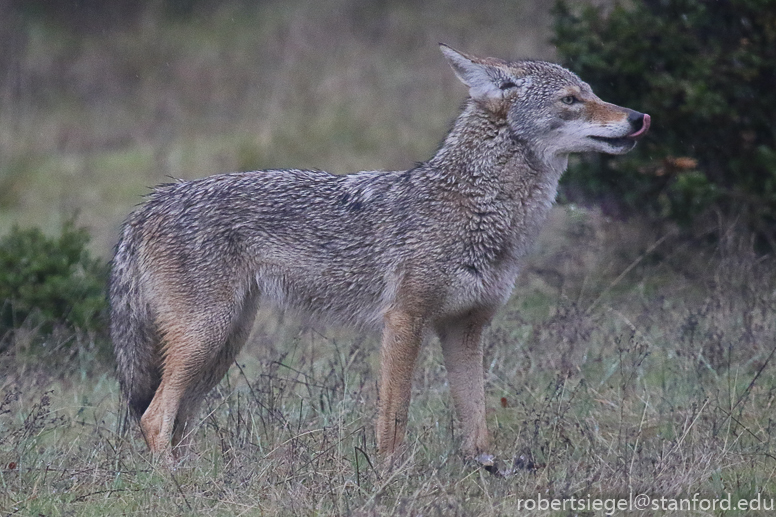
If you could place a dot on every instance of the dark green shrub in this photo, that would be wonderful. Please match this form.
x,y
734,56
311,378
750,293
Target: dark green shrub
x,y
51,281
706,72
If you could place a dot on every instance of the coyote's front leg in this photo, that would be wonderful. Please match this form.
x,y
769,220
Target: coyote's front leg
x,y
402,337
462,348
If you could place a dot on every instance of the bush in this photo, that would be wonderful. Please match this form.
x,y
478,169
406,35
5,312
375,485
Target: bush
x,y
51,282
705,70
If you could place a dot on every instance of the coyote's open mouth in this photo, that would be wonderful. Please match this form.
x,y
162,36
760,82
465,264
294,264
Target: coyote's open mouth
x,y
617,145
616,142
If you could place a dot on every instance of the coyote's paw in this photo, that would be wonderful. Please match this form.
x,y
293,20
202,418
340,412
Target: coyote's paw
x,y
489,463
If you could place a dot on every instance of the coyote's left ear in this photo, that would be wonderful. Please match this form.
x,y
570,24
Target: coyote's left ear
x,y
486,82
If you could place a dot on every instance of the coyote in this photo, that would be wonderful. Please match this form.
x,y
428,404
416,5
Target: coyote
x,y
430,250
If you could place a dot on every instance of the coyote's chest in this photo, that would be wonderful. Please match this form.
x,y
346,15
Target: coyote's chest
x,y
497,233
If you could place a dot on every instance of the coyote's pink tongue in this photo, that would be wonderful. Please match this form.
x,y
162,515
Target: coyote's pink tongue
x,y
644,128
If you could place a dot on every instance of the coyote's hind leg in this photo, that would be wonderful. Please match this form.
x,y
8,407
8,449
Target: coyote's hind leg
x,y
185,422
197,354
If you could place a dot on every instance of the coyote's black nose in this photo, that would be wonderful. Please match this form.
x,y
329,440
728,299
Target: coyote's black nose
x,y
639,122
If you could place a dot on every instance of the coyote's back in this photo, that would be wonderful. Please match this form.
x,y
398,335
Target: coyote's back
x,y
432,250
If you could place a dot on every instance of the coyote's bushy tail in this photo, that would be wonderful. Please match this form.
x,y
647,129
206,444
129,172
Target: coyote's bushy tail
x,y
134,335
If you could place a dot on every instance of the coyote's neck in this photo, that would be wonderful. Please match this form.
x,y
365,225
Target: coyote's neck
x,y
493,172
481,155
477,145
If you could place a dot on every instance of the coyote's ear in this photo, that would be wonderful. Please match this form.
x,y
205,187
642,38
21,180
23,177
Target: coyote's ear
x,y
483,79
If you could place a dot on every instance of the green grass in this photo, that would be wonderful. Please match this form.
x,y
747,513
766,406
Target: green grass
x,y
663,386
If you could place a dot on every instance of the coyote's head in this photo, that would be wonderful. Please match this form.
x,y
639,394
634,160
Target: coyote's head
x,y
547,106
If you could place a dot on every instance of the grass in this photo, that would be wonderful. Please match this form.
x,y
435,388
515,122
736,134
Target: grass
x,y
661,384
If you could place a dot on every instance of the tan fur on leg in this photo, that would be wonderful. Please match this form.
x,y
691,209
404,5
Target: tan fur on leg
x,y
402,337
462,348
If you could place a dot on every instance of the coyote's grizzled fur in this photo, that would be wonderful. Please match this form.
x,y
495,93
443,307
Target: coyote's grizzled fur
x,y
430,250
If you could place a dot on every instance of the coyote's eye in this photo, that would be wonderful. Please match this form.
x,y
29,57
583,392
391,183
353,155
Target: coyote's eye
x,y
506,85
569,99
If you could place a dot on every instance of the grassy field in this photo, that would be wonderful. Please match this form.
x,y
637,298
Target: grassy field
x,y
630,359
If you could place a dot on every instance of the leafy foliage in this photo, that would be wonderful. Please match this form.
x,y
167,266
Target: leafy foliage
x,y
705,70
50,281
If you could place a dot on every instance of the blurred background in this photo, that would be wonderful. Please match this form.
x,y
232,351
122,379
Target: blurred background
x,y
101,100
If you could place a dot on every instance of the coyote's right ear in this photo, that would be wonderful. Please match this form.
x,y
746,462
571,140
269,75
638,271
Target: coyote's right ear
x,y
485,81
